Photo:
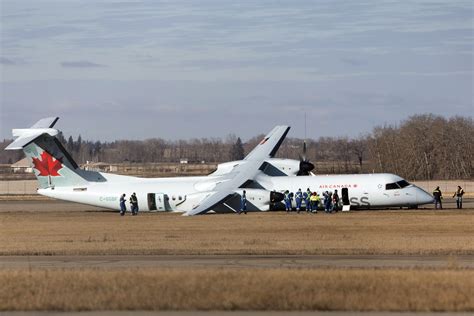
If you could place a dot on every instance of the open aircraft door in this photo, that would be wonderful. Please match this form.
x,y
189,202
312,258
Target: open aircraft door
x,y
346,203
157,202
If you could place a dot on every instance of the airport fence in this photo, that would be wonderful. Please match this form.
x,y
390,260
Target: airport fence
x,y
18,187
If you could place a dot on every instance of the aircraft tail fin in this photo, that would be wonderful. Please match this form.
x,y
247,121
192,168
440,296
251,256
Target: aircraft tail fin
x,y
52,164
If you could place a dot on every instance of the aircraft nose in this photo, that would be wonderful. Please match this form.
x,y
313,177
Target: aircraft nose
x,y
423,197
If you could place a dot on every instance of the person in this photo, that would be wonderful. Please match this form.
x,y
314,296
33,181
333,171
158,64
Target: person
x,y
458,194
314,200
298,200
134,203
272,202
123,207
327,201
438,196
243,203
307,199
335,199
287,199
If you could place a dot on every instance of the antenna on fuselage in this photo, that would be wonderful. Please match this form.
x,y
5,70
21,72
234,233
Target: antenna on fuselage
x,y
305,165
305,127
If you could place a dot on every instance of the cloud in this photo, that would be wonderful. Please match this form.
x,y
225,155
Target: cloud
x,y
81,64
353,62
7,61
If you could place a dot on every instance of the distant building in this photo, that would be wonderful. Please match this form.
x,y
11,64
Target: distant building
x,y
98,166
183,161
22,166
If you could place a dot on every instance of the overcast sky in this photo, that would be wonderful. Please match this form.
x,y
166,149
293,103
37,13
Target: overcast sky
x,y
184,69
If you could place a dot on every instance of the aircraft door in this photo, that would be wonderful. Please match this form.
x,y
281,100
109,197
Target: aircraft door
x,y
157,202
151,201
345,196
160,200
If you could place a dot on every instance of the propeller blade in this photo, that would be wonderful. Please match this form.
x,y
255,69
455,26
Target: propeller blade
x,y
305,168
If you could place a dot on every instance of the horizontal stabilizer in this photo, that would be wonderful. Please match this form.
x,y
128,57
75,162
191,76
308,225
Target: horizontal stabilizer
x,y
27,135
46,122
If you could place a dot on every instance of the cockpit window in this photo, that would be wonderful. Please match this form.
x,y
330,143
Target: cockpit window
x,y
391,186
403,183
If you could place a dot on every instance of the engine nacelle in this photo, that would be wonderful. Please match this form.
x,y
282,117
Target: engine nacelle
x,y
281,167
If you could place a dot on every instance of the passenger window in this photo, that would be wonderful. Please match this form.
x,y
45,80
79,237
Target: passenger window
x,y
403,183
391,186
173,198
180,197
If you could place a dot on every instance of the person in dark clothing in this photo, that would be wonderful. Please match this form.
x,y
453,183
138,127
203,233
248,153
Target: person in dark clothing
x,y
287,200
298,200
243,203
327,201
134,203
123,207
458,195
307,199
438,196
335,199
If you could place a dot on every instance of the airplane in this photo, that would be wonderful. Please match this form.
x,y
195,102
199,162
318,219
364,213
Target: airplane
x,y
260,174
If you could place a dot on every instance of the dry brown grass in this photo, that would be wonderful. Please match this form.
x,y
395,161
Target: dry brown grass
x,y
383,232
230,289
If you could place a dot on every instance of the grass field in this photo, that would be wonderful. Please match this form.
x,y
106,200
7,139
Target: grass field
x,y
244,289
79,230
369,232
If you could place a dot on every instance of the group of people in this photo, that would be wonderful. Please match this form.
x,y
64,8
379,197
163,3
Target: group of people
x,y
312,201
133,204
438,197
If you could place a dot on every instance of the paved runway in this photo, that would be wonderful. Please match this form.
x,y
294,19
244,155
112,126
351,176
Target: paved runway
x,y
229,313
229,261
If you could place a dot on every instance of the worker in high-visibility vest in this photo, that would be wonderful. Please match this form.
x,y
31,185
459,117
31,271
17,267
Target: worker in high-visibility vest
x,y
298,200
307,199
314,200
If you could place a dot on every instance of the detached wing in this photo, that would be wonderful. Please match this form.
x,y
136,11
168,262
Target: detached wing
x,y
244,171
270,144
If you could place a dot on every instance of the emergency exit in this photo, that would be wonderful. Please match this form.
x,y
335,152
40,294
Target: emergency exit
x,y
157,202
346,203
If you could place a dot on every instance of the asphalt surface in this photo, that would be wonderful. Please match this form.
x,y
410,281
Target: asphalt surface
x,y
229,313
237,261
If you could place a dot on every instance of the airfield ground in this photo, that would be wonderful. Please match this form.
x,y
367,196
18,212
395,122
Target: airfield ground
x,y
66,257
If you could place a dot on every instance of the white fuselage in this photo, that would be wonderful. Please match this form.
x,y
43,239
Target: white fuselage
x,y
181,194
363,190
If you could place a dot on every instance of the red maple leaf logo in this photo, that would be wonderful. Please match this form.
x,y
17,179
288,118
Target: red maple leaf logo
x,y
47,166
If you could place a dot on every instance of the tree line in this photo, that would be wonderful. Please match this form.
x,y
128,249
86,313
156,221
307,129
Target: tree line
x,y
421,147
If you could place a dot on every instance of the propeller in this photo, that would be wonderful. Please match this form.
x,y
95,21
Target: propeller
x,y
305,166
